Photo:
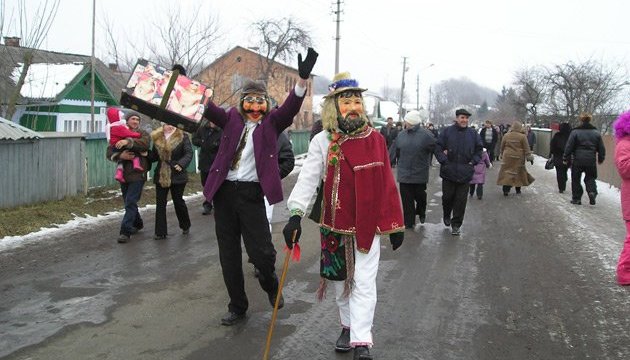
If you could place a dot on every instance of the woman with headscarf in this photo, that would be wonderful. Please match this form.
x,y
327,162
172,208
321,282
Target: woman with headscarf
x,y
514,151
173,152
558,143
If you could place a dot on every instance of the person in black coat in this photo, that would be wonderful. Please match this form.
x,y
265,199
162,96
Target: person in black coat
x,y
585,149
556,150
208,138
489,137
173,153
458,150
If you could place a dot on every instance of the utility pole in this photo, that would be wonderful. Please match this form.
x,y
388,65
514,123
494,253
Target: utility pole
x,y
418,92
93,70
337,37
402,89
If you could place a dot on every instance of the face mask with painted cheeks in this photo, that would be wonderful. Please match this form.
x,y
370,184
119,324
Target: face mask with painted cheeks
x,y
350,113
254,106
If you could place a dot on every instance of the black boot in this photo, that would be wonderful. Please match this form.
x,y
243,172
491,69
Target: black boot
x,y
362,353
343,342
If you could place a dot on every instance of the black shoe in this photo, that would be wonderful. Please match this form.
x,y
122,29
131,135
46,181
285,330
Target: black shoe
x,y
272,299
159,237
505,193
455,230
343,342
231,318
576,202
591,198
561,191
122,238
518,192
362,353
185,231
447,221
206,210
479,197
423,219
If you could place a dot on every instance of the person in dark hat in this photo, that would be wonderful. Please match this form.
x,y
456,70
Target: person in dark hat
x,y
245,171
134,180
458,150
351,157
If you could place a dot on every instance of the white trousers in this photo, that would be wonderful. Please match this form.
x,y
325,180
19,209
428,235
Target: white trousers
x,y
357,310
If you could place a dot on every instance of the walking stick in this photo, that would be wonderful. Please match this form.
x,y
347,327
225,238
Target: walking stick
x,y
285,267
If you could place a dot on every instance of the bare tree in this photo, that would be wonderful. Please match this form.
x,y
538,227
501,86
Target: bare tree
x,y
279,41
583,87
508,108
452,93
531,90
32,28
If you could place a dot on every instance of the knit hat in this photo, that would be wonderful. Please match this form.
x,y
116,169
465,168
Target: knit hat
x,y
130,113
253,87
343,82
413,118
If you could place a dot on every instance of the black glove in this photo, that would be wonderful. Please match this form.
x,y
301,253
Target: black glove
x,y
293,224
396,239
305,67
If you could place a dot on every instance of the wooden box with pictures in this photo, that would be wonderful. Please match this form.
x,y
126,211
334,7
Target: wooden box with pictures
x,y
166,96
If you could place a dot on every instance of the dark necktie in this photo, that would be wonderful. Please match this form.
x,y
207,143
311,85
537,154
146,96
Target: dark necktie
x,y
239,150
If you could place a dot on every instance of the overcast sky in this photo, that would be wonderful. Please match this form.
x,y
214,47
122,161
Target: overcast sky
x,y
485,40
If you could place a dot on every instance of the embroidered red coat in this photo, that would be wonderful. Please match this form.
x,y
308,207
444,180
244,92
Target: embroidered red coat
x,y
360,194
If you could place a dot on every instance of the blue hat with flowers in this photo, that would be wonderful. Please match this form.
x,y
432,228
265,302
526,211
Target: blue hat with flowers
x,y
343,82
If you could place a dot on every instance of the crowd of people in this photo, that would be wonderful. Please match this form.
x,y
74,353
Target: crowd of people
x,y
244,154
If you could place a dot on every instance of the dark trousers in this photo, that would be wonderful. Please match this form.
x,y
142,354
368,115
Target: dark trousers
x,y
414,202
490,149
177,194
240,211
561,177
590,174
131,192
454,198
204,176
507,188
478,187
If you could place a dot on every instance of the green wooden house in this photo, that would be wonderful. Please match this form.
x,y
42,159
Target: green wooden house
x,y
56,91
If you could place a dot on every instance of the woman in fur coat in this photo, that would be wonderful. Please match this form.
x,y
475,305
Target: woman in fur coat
x,y
514,151
622,161
173,152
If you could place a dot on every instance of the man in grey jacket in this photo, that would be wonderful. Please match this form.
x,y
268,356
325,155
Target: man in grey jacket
x,y
584,149
412,149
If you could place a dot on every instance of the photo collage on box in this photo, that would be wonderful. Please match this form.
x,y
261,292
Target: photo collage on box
x,y
148,82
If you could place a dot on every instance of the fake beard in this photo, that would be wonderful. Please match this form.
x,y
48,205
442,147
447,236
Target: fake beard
x,y
349,125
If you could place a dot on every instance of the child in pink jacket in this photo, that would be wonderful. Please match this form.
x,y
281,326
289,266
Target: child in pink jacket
x,y
479,177
115,131
622,161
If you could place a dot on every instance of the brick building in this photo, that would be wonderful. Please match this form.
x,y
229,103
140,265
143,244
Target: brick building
x,y
227,74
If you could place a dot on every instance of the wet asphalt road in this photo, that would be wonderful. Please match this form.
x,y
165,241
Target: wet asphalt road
x,y
531,277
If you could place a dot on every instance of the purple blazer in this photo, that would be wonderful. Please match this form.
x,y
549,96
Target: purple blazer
x,y
265,145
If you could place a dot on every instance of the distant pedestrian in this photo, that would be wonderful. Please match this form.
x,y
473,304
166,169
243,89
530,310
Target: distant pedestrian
x,y
622,162
531,138
556,150
479,178
389,131
497,146
208,138
172,151
412,149
134,180
489,137
585,149
515,151
458,150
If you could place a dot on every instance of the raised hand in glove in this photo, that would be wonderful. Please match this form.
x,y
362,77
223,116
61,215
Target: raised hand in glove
x,y
293,224
305,67
396,239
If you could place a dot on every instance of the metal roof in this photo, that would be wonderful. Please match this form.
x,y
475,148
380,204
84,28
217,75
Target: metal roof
x,y
12,131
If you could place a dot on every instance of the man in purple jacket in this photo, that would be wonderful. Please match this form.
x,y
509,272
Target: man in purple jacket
x,y
243,172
